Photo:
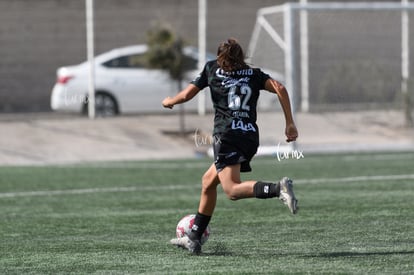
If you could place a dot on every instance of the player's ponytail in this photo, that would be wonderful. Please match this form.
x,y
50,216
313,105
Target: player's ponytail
x,y
230,56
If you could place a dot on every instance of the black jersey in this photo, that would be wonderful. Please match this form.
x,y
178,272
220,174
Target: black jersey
x,y
234,95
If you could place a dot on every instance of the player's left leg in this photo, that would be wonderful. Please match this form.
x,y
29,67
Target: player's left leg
x,y
208,196
208,199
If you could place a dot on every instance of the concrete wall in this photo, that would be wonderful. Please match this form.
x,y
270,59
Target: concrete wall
x,y
37,37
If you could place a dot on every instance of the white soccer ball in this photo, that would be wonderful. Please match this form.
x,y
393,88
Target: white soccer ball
x,y
184,228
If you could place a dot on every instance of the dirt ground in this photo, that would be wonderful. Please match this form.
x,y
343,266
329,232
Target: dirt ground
x,y
50,138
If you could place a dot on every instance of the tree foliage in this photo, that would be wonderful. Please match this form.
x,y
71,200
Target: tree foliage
x,y
165,51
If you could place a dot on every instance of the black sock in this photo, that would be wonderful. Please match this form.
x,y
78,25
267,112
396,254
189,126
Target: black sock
x,y
265,190
201,222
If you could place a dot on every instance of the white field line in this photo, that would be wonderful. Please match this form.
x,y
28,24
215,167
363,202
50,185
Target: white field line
x,y
355,179
258,161
87,191
181,187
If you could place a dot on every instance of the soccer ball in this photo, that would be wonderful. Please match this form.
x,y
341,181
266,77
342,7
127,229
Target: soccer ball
x,y
184,228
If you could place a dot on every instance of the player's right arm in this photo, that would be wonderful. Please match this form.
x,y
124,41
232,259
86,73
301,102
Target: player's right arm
x,y
278,88
185,95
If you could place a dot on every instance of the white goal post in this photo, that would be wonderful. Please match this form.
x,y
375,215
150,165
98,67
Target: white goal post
x,y
277,38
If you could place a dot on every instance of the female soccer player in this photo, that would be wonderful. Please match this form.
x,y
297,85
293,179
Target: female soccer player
x,y
235,88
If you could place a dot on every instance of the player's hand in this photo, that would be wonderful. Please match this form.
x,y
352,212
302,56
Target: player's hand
x,y
291,132
166,103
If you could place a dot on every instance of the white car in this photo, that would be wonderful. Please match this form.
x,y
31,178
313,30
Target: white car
x,y
123,84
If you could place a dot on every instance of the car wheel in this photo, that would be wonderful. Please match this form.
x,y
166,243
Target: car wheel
x,y
105,105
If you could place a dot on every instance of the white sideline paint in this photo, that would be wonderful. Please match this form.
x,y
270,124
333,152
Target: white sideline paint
x,y
261,161
178,187
86,191
355,179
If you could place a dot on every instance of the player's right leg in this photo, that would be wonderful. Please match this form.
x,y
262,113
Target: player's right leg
x,y
287,195
235,189
232,185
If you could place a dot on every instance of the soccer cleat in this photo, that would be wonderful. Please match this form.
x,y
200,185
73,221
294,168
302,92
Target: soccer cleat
x,y
287,195
186,243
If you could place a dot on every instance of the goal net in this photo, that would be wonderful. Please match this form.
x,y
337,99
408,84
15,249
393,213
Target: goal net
x,y
349,56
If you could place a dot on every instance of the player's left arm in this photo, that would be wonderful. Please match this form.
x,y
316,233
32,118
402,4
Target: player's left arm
x,y
276,87
185,95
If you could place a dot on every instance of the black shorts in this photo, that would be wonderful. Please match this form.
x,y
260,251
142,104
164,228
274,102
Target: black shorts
x,y
234,150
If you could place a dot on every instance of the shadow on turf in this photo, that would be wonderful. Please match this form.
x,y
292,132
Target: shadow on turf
x,y
357,254
219,249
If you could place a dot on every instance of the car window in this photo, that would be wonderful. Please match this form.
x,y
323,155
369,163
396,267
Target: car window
x,y
190,63
138,61
127,61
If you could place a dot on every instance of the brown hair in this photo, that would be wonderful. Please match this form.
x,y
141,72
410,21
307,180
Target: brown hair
x,y
230,56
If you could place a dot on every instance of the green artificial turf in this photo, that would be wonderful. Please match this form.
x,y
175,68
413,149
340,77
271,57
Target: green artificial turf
x,y
356,217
